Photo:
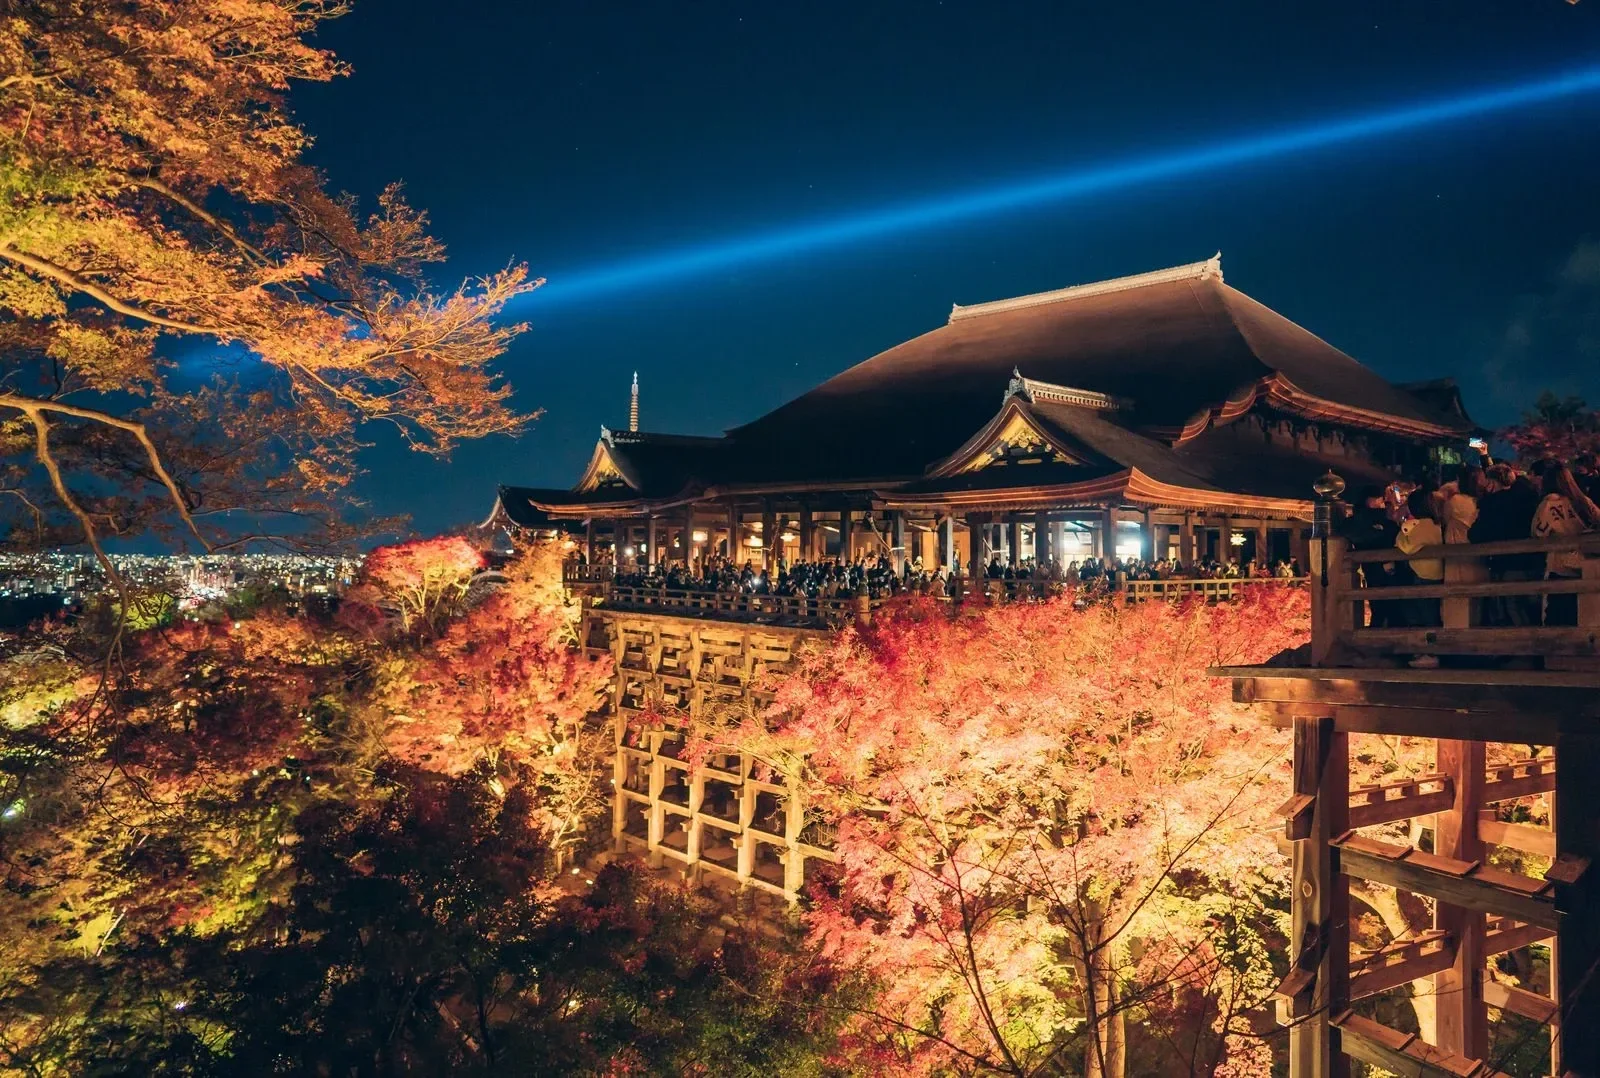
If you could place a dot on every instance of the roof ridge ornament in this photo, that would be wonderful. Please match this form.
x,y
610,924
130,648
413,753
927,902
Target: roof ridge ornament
x,y
1210,269
1036,392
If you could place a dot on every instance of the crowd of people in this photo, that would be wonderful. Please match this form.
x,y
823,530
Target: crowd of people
x,y
878,576
1484,502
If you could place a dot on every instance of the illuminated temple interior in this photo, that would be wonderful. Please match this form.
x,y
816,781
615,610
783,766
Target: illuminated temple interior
x,y
1162,415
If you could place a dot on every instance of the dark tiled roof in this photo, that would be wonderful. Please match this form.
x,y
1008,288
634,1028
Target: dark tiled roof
x,y
1174,348
663,465
517,504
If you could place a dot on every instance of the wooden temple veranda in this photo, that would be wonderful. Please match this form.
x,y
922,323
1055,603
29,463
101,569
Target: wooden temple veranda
x,y
1536,688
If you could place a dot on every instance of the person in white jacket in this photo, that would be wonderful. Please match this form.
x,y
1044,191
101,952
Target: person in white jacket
x,y
1564,512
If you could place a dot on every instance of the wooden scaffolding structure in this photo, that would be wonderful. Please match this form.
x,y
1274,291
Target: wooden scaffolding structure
x,y
726,821
1533,685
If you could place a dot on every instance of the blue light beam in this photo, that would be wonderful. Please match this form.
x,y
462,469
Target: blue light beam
x,y
683,262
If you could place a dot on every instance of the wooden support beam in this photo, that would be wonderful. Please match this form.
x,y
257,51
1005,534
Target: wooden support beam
x,y
1516,836
1401,963
1461,1021
1296,813
1522,1002
1508,934
1461,883
1404,1053
1527,729
1538,640
1523,779
1577,952
1319,934
1510,696
1420,796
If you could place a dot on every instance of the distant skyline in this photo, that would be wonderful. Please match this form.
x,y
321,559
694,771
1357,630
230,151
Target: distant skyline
x,y
591,136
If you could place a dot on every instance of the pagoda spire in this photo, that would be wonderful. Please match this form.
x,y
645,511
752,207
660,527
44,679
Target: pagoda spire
x,y
633,404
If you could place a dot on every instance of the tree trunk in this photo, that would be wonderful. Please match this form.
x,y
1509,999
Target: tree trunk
x,y
1107,1053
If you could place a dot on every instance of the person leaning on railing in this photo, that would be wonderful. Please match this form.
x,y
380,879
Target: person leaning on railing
x,y
1505,513
1418,531
1564,512
1369,527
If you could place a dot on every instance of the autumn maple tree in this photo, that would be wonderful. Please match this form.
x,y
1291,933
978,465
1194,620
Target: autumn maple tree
x,y
1049,822
157,213
505,690
1560,427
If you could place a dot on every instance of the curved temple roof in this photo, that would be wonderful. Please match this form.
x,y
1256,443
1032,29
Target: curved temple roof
x,y
1176,344
1138,370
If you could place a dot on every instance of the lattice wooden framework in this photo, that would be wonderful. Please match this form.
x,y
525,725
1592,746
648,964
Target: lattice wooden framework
x,y
727,820
1358,685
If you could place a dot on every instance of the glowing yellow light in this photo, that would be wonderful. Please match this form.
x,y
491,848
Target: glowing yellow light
x,y
699,537
754,540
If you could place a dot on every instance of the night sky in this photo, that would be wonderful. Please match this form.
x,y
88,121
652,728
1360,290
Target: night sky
x,y
578,136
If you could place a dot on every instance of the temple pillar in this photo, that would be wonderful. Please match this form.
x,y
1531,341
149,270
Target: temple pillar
x,y
847,535
735,554
770,546
947,542
1227,555
688,537
1108,531
1147,538
807,534
1186,541
1263,546
1015,530
897,540
977,528
652,541
1043,552
588,540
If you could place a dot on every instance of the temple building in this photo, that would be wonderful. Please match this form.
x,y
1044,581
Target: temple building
x,y
1163,415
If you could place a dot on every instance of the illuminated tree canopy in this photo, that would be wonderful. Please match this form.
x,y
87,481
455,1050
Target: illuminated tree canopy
x,y
196,330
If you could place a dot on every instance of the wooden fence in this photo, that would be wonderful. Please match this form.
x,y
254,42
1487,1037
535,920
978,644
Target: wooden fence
x,y
1481,607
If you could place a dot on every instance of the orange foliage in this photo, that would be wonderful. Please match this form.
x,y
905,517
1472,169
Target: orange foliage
x,y
421,582
503,686
155,190
1047,815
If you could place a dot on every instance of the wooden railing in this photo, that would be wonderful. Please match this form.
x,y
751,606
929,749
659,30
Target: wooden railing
x,y
1472,605
836,610
580,573
1215,589
742,606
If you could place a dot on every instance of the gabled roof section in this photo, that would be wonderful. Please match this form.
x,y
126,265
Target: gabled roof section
x,y
604,469
1013,438
648,464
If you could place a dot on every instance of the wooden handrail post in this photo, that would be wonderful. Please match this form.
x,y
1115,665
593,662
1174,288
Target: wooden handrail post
x,y
1330,607
1589,604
